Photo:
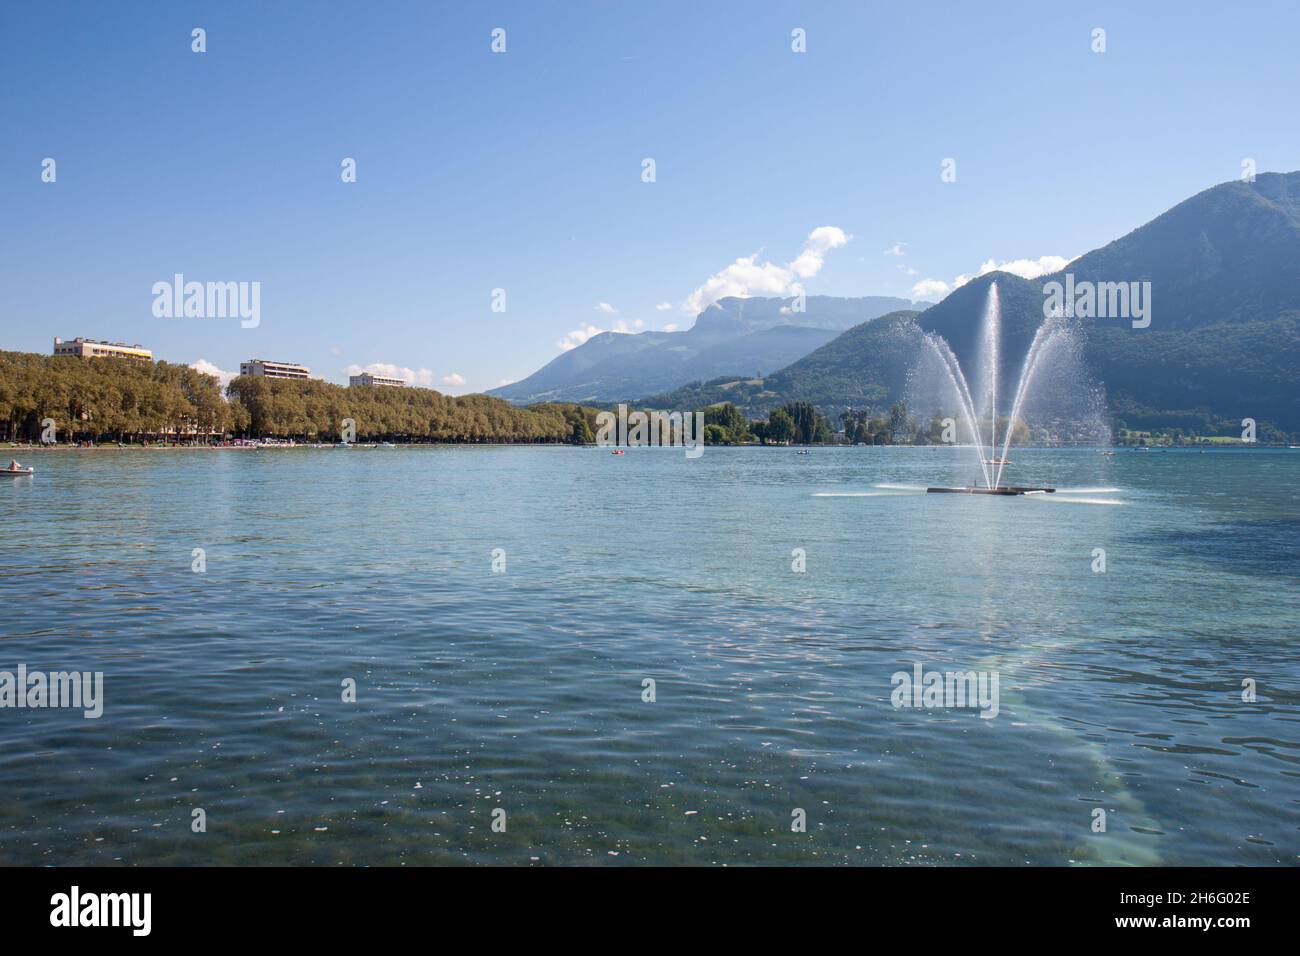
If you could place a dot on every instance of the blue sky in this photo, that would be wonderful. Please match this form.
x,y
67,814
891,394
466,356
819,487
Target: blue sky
x,y
522,170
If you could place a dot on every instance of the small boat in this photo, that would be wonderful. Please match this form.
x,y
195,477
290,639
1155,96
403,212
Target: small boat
x,y
385,444
997,461
618,451
17,471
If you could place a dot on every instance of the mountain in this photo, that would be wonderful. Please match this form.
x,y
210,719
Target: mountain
x,y
1229,254
1223,343
732,335
863,368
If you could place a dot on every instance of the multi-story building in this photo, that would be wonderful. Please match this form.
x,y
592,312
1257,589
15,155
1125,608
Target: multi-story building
x,y
92,348
366,378
266,369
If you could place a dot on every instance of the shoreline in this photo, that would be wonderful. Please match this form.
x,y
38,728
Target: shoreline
x,y
58,447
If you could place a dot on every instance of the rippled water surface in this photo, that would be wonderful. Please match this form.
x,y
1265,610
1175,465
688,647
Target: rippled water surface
x,y
523,690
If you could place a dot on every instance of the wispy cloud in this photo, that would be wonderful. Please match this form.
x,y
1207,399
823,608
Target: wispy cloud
x,y
664,306
410,376
604,308
747,276
454,379
895,250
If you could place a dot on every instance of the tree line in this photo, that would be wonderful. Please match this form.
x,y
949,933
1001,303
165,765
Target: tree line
x,y
107,397
315,409
123,400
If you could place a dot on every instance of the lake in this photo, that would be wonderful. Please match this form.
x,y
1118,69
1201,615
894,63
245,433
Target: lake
x,y
524,689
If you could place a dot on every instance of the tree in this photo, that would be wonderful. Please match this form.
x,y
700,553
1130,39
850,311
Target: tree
x,y
732,425
780,426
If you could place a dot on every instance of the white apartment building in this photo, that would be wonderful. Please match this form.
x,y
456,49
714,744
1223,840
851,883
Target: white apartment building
x,y
366,378
92,348
268,369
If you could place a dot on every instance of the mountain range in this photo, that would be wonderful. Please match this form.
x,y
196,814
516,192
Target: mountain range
x,y
732,335
1223,343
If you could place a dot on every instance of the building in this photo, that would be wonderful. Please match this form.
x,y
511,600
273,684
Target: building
x,y
92,348
265,369
365,378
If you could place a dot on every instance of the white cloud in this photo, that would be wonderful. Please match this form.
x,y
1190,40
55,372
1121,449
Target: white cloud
x,y
208,368
907,270
1025,268
664,306
895,250
454,379
579,335
585,331
503,382
930,287
604,308
410,376
747,276
670,327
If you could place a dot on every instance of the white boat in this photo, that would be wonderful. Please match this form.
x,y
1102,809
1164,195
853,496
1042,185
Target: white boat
x,y
19,472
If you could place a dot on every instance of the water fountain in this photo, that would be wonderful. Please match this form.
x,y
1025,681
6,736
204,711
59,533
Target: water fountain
x,y
980,409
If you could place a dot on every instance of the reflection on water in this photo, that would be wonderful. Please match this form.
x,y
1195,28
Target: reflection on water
x,y
523,690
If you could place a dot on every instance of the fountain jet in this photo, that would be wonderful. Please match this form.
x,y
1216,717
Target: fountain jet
x,y
988,365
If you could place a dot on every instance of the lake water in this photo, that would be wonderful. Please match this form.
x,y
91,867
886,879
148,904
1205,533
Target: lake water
x,y
522,690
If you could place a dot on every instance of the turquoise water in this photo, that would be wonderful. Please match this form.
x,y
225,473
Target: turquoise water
x,y
522,690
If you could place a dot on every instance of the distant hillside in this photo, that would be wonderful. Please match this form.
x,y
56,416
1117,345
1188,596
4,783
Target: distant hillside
x,y
731,336
862,368
1224,341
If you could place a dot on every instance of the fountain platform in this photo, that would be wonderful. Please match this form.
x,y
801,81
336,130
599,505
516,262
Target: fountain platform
x,y
1009,490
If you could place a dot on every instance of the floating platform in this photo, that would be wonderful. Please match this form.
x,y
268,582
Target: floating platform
x,y
1009,490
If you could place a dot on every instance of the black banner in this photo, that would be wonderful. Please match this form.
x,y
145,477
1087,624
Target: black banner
x,y
296,906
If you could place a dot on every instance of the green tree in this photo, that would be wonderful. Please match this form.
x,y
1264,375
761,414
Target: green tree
x,y
780,426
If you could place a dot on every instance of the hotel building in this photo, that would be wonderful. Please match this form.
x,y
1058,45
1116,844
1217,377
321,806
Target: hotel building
x,y
366,378
265,369
92,348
